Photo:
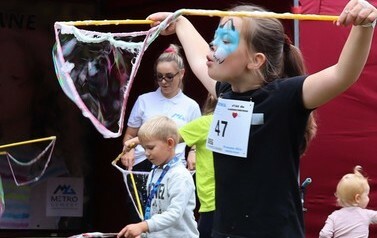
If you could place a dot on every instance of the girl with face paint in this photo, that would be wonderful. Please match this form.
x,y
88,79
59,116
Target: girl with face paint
x,y
259,75
225,42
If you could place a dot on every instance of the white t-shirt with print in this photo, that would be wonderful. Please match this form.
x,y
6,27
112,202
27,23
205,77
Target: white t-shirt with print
x,y
180,108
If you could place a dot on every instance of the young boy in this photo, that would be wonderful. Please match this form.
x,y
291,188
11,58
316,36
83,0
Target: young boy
x,y
171,190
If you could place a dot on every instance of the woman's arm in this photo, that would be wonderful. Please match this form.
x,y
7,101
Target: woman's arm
x,y
130,133
130,140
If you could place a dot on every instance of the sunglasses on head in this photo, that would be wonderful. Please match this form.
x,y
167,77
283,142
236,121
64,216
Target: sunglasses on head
x,y
168,77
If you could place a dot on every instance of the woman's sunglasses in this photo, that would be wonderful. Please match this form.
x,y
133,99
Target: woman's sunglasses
x,y
168,77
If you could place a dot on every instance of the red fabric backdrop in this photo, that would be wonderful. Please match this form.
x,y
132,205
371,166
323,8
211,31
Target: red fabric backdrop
x,y
347,133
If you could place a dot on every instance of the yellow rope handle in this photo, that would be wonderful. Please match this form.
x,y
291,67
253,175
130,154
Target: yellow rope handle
x,y
27,142
292,16
134,185
211,13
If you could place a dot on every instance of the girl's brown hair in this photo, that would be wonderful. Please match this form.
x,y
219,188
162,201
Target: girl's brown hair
x,y
266,35
283,59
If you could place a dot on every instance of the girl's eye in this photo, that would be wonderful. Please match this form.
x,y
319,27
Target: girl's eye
x,y
226,39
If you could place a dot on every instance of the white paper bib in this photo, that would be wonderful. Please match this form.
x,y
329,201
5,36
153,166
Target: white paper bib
x,y
230,128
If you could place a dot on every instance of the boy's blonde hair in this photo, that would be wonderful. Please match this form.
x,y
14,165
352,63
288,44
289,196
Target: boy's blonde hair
x,y
160,128
349,186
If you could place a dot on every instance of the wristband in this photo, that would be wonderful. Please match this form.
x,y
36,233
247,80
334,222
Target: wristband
x,y
370,24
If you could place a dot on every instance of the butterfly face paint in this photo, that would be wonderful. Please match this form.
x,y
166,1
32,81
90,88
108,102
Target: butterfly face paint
x,y
226,41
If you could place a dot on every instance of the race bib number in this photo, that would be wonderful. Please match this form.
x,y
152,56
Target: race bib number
x,y
230,128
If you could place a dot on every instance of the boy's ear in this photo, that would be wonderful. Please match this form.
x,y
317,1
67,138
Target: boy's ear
x,y
171,142
256,61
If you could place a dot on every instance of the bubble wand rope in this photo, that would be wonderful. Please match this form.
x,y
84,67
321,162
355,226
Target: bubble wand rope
x,y
27,142
10,157
211,13
133,184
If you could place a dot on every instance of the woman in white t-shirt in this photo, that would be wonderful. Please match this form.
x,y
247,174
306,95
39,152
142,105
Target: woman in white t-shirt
x,y
168,100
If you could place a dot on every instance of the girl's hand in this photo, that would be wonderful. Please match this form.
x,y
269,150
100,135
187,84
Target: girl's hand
x,y
358,13
161,16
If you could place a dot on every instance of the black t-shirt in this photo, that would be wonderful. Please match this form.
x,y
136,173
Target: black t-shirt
x,y
259,196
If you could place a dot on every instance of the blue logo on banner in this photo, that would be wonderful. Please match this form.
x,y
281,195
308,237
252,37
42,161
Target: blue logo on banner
x,y
65,190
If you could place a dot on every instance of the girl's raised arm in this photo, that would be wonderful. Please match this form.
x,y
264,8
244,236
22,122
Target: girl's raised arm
x,y
323,86
194,45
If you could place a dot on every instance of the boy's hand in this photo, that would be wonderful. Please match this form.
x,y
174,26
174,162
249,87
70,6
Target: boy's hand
x,y
133,230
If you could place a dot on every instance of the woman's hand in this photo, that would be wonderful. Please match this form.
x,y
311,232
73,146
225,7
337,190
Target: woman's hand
x,y
128,159
128,153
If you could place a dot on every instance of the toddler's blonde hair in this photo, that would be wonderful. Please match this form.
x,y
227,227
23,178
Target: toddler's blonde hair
x,y
349,186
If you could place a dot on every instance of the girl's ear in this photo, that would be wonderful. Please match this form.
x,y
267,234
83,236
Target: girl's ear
x,y
256,61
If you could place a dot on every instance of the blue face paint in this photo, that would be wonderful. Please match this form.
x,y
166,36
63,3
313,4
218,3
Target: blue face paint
x,y
226,41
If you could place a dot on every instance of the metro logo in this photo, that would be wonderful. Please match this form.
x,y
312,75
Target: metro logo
x,y
64,197
65,190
